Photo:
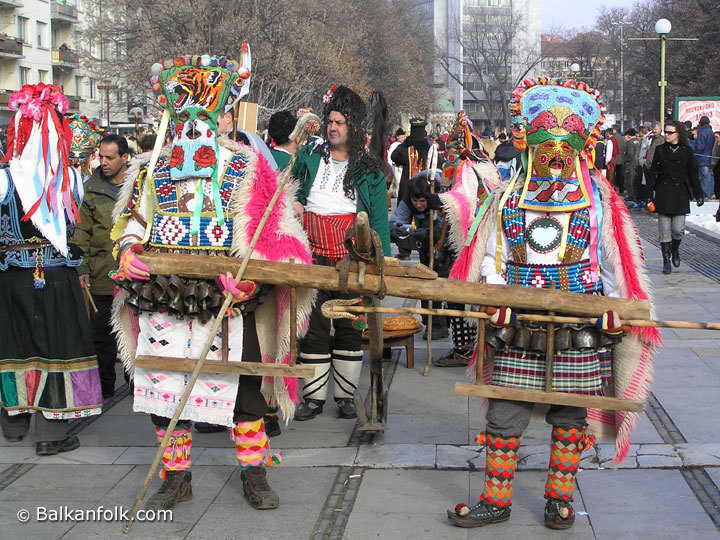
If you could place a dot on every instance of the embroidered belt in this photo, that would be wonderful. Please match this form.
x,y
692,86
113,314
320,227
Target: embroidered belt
x,y
174,231
575,277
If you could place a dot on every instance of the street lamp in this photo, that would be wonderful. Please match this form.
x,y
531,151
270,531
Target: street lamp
x,y
662,28
622,24
575,68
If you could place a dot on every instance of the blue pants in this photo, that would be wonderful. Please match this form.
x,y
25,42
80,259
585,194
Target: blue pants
x,y
706,181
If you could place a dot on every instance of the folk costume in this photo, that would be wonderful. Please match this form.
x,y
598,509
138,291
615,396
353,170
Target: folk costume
x,y
160,210
332,193
85,139
553,223
47,362
464,156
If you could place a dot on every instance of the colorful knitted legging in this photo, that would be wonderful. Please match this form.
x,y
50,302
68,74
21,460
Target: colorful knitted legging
x,y
177,453
500,462
565,451
252,447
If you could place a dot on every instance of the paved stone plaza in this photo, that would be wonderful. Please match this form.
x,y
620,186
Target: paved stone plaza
x,y
335,483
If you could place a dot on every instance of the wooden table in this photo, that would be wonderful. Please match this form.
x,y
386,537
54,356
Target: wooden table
x,y
395,338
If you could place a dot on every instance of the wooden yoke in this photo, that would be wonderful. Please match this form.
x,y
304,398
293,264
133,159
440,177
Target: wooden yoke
x,y
376,420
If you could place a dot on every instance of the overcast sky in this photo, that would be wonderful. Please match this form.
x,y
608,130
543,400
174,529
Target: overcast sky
x,y
575,13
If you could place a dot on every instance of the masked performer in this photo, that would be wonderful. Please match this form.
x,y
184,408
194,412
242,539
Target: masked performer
x,y
85,140
47,363
206,196
553,224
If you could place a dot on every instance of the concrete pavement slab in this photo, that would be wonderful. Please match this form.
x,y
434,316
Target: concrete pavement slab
x,y
390,456
89,455
427,429
407,504
699,455
207,482
455,457
302,496
11,527
120,430
57,483
18,454
643,504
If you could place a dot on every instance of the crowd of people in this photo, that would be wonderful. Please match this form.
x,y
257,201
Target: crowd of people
x,y
523,208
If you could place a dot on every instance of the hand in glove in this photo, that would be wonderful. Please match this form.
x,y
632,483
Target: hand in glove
x,y
503,316
132,268
240,292
610,323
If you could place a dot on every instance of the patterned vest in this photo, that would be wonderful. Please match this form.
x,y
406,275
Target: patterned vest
x,y
572,274
172,221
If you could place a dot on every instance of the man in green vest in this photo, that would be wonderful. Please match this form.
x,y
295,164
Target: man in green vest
x,y
337,179
280,127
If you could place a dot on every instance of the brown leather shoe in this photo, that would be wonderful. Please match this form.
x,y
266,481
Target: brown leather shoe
x,y
176,488
257,490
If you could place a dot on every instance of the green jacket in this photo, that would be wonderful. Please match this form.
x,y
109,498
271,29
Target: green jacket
x,y
371,189
92,234
281,158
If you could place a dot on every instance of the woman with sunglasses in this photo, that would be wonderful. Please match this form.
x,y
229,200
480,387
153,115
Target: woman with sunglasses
x,y
675,183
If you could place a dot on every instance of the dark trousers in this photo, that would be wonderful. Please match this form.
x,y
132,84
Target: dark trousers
x,y
250,405
318,339
104,341
507,418
45,430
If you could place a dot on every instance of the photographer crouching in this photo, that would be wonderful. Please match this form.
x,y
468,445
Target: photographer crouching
x,y
410,229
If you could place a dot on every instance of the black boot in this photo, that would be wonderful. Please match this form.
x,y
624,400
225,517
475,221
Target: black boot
x,y
665,247
676,252
176,488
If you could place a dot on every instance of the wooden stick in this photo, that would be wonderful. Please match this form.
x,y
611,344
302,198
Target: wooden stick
x,y
431,249
440,289
206,349
293,321
554,398
86,289
550,348
480,358
558,319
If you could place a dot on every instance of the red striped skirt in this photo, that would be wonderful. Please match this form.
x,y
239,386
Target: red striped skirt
x,y
327,233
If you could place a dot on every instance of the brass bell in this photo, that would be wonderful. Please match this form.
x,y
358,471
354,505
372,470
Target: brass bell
x,y
538,341
490,337
505,334
585,338
563,338
522,338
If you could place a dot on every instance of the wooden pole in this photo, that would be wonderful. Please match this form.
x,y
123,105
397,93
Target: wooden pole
x,y
293,322
642,323
480,357
206,349
439,289
431,249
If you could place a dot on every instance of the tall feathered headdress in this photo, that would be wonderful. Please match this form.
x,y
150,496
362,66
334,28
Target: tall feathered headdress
x,y
38,151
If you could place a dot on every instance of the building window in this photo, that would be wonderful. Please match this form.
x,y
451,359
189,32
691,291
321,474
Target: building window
x,y
78,86
24,76
41,34
22,29
91,88
42,76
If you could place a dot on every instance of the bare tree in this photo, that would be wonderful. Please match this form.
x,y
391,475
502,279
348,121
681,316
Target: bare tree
x,y
300,47
489,45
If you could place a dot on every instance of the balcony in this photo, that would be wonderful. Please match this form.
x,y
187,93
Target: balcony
x,y
62,12
10,47
5,97
66,59
10,3
74,103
